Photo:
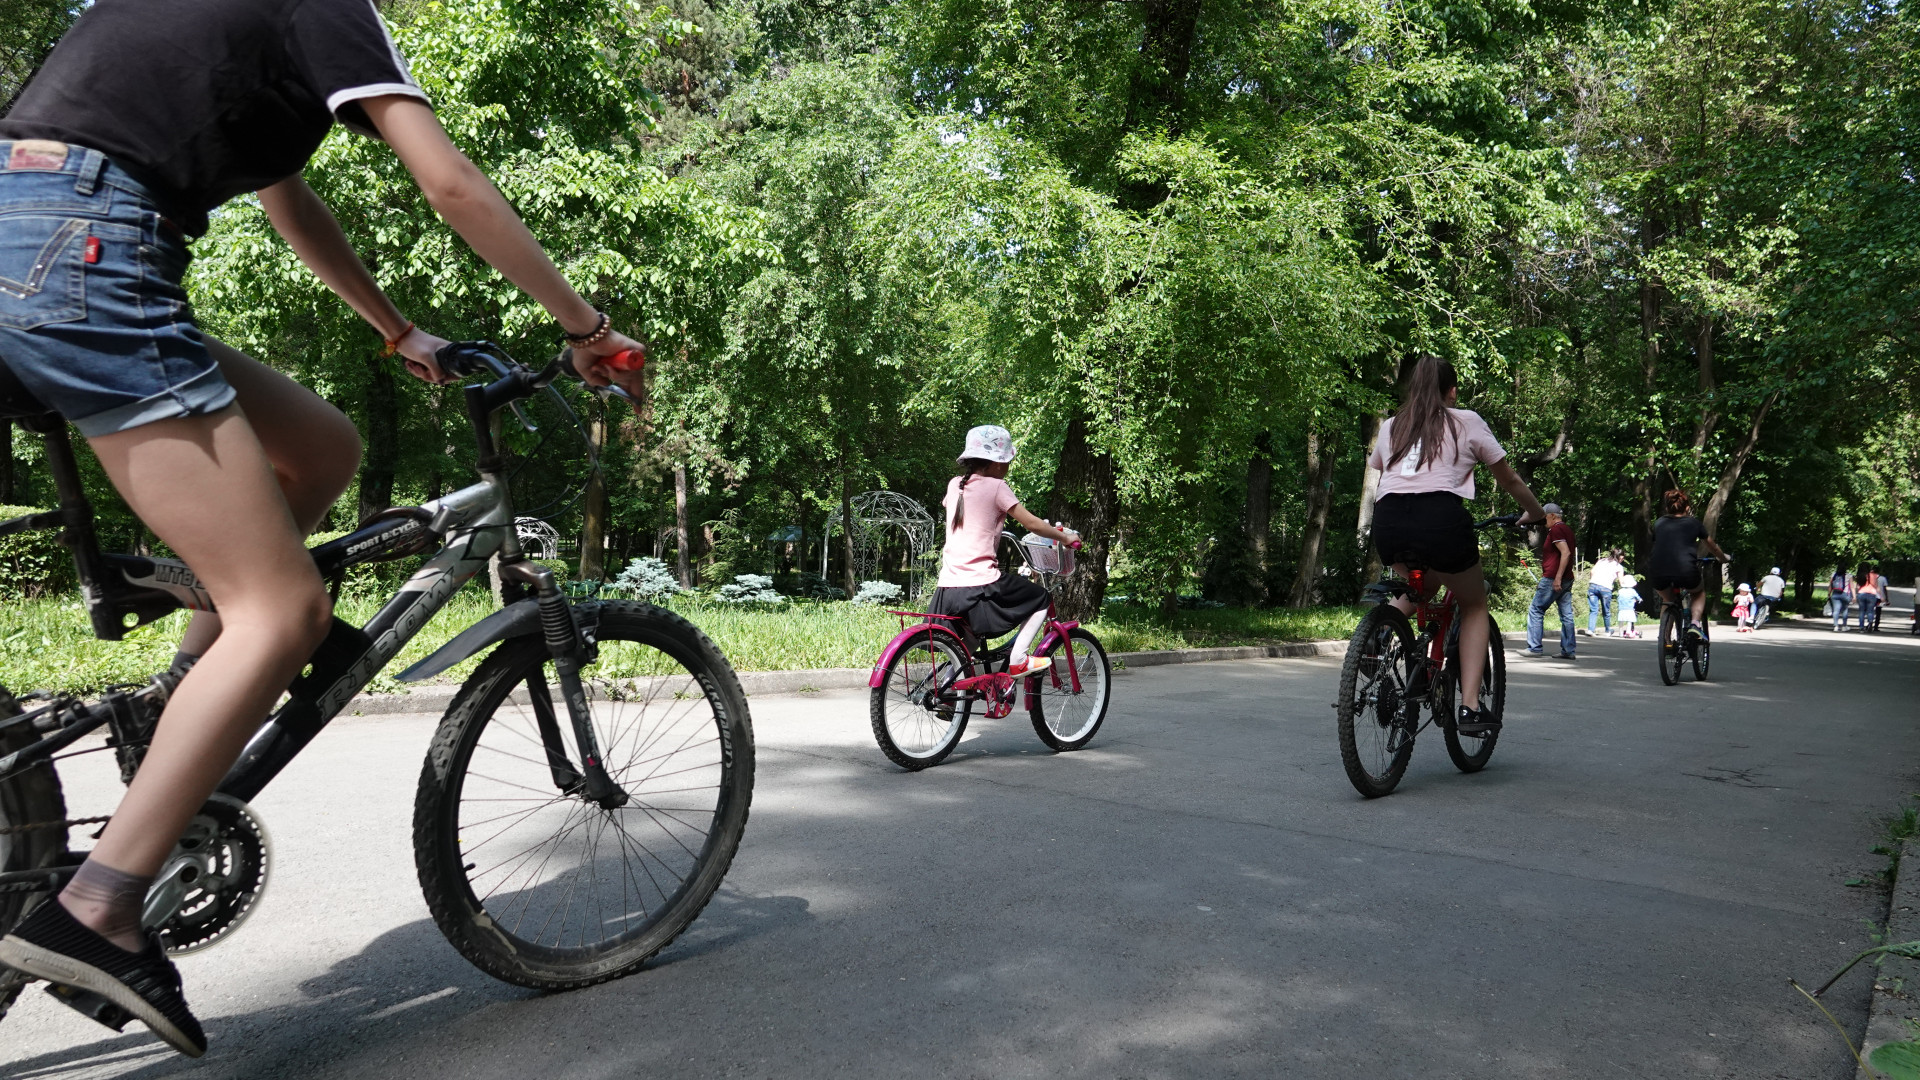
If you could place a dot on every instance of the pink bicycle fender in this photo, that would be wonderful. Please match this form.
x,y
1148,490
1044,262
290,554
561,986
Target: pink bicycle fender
x,y
879,672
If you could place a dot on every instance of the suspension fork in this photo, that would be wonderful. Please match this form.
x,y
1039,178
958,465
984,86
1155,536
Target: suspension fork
x,y
570,653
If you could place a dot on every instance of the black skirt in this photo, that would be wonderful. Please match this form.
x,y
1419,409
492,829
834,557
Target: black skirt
x,y
1430,529
993,609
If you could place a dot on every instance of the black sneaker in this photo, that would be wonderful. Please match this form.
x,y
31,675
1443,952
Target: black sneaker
x,y
1475,725
1564,656
51,944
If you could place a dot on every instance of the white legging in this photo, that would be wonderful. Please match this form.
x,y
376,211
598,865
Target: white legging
x,y
1023,642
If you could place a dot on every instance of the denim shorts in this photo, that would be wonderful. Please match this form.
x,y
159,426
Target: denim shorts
x,y
93,316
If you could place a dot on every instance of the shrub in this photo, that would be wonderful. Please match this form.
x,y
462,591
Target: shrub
x,y
33,563
877,592
751,589
648,579
815,587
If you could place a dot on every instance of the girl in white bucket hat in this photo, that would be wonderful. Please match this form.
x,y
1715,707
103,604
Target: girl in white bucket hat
x,y
971,584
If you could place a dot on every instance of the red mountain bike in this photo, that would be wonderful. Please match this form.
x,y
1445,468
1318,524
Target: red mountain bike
x,y
928,681
1390,677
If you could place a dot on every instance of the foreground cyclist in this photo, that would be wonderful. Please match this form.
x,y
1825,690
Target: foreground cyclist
x,y
148,115
1426,454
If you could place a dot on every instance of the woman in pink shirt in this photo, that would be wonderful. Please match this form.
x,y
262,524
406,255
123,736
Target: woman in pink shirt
x,y
1426,455
971,584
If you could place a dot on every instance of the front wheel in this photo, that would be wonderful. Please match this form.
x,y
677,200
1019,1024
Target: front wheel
x,y
1065,718
1672,647
1468,753
529,879
1376,727
917,715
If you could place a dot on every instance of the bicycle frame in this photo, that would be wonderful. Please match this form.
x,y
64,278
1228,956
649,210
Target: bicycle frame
x,y
989,683
475,524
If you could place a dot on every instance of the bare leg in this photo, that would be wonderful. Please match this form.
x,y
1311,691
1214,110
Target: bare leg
x,y
204,485
1699,608
1469,588
312,446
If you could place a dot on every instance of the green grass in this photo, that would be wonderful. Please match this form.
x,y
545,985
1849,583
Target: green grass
x,y
47,644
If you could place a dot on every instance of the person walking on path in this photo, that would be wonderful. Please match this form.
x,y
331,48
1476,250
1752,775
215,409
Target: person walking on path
x,y
1772,588
1628,598
1606,574
1839,598
1556,575
1880,580
1866,597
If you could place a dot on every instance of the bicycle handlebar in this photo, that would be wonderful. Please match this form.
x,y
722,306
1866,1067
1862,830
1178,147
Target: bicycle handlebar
x,y
1505,521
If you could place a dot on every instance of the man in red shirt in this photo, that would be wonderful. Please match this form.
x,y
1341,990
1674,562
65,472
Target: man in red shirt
x,y
1556,585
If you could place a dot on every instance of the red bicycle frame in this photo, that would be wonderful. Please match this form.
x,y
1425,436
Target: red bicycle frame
x,y
991,685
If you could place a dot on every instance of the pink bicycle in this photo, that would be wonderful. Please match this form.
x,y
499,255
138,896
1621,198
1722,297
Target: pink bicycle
x,y
936,671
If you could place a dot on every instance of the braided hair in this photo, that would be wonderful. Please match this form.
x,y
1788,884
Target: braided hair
x,y
970,467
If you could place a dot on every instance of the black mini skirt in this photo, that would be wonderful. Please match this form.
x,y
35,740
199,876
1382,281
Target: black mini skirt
x,y
993,609
1430,529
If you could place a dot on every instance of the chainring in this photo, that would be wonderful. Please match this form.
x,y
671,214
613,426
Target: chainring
x,y
219,870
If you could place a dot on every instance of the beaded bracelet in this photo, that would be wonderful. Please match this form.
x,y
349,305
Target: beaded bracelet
x,y
593,337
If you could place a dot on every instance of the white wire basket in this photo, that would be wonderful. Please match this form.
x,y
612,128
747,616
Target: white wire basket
x,y
1047,556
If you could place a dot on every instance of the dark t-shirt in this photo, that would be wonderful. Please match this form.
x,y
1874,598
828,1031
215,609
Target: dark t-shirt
x,y
1550,555
1676,545
202,100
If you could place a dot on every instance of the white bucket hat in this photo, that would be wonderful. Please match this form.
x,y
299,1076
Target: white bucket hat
x,y
989,442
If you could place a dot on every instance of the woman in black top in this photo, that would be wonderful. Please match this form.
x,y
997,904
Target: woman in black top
x,y
1675,561
148,115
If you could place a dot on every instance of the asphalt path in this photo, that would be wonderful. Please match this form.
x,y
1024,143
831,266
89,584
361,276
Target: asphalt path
x,y
1623,892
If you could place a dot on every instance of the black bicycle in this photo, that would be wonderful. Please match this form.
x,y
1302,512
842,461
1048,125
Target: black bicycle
x,y
1680,642
1390,677
580,802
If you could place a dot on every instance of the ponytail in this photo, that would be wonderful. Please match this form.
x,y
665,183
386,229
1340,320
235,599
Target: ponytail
x,y
1423,419
969,468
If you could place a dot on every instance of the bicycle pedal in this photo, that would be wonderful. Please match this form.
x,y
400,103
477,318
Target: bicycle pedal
x,y
91,1005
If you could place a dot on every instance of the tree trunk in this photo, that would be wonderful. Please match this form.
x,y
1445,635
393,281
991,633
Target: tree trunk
x,y
593,510
383,441
6,464
1709,414
1319,498
1729,479
846,533
682,539
1086,496
1369,487
1260,511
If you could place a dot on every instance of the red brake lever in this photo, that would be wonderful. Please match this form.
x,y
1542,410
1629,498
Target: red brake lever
x,y
625,360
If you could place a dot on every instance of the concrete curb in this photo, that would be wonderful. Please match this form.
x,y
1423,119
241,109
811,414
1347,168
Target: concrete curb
x,y
435,697
1896,985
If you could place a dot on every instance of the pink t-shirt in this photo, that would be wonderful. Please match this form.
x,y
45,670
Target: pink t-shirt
x,y
1450,470
969,555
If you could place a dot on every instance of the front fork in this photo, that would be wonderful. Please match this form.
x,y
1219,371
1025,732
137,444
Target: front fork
x,y
570,651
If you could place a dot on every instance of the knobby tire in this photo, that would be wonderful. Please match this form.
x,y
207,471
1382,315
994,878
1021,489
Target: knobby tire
x,y
1376,739
677,737
29,797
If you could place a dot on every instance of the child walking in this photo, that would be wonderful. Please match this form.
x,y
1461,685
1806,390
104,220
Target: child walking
x,y
971,584
1627,598
1743,609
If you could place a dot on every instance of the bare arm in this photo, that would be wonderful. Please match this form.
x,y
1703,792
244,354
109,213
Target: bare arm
x,y
1026,517
301,217
1566,561
469,202
1511,483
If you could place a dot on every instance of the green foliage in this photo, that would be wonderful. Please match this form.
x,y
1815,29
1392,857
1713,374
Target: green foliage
x,y
32,563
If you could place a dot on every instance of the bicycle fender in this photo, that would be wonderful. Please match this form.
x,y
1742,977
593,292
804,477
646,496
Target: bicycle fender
x,y
877,677
514,620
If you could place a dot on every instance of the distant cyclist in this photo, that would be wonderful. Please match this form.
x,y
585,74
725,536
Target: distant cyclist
x,y
1767,596
1675,561
1426,454
147,116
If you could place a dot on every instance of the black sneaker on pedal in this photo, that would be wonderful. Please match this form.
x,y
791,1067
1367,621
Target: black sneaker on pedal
x,y
51,944
1475,725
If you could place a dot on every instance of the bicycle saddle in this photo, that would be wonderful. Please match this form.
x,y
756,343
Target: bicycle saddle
x,y
16,402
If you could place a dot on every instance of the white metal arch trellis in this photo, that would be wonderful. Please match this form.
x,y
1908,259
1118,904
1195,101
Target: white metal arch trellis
x,y
880,517
538,539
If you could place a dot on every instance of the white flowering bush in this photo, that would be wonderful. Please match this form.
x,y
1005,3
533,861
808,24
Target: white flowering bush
x,y
878,592
751,589
648,579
